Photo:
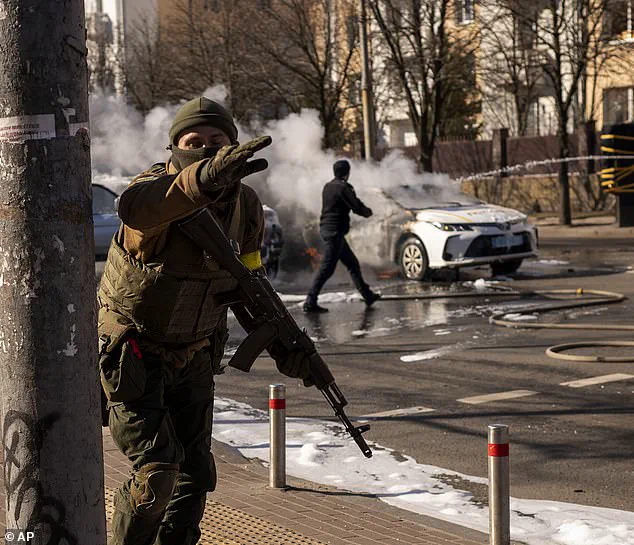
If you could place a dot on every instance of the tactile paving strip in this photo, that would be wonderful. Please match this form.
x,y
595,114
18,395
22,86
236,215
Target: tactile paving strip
x,y
224,525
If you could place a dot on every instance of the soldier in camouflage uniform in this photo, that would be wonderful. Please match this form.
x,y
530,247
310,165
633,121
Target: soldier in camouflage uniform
x,y
161,330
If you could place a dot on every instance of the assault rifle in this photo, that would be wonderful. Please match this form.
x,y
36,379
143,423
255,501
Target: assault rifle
x,y
264,316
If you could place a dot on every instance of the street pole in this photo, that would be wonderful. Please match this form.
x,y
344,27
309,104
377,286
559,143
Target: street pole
x,y
277,434
366,87
499,487
49,388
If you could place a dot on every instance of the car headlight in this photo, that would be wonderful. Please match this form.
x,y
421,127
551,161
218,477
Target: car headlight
x,y
451,226
519,221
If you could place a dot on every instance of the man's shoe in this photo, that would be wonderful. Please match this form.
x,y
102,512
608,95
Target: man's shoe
x,y
371,298
314,307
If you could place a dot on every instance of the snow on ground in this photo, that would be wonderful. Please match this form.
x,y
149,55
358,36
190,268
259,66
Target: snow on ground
x,y
321,452
548,263
481,284
431,354
329,298
517,317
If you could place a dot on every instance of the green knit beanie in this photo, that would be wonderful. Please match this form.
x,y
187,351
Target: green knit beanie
x,y
202,111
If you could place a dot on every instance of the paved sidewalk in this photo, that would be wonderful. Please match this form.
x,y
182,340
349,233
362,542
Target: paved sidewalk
x,y
244,511
596,226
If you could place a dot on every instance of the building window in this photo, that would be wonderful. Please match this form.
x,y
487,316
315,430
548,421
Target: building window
x,y
526,29
410,140
541,117
465,12
618,105
618,20
352,29
354,90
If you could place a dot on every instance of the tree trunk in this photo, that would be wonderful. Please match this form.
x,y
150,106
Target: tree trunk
x,y
425,150
49,387
426,160
565,216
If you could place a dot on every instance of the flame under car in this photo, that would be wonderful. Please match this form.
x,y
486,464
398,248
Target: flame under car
x,y
428,227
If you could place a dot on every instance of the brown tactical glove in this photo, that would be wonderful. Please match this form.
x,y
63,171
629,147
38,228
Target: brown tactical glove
x,y
230,164
294,364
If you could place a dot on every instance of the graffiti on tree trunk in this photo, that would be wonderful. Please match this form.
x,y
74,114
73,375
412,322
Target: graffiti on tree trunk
x,y
22,439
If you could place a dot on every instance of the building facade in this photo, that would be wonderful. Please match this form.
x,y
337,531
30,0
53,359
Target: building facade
x,y
513,50
109,25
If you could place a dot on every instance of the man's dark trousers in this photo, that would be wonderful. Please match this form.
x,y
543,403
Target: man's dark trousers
x,y
171,422
336,249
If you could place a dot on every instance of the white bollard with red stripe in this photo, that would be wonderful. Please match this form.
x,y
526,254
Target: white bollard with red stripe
x,y
499,485
277,421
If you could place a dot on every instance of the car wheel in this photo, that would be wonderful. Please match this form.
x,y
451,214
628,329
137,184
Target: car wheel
x,y
506,267
413,259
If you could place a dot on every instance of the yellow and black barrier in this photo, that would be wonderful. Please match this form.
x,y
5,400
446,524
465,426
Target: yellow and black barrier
x,y
617,175
617,169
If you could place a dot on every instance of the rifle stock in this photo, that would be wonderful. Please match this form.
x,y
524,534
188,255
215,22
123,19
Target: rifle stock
x,y
265,318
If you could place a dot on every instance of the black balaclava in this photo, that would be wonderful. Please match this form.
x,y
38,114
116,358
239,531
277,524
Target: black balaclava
x,y
199,111
182,158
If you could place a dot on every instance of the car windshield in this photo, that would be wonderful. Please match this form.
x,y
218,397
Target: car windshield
x,y
103,200
418,197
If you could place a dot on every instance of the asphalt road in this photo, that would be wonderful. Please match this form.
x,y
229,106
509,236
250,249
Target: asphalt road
x,y
567,444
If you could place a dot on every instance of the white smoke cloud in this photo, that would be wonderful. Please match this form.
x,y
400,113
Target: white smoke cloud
x,y
125,143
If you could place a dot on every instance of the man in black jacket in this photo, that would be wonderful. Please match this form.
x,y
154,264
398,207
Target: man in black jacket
x,y
338,199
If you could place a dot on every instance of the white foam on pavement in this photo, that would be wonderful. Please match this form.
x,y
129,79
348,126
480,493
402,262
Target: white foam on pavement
x,y
431,354
322,452
517,317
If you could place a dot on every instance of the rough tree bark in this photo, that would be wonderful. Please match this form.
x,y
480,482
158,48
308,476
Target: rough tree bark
x,y
49,389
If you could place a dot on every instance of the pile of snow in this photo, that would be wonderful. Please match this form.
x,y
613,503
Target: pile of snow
x,y
322,452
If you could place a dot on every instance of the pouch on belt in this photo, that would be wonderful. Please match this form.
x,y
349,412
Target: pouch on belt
x,y
122,370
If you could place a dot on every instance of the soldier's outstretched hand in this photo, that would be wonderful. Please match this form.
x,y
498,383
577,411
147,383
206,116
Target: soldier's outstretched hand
x,y
231,163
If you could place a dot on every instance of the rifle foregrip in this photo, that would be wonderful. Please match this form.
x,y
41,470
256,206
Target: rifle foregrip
x,y
262,305
319,372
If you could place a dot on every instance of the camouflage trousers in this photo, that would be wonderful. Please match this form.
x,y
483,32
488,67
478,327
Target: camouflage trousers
x,y
166,434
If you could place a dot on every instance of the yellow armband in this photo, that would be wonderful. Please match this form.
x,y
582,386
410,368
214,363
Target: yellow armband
x,y
252,261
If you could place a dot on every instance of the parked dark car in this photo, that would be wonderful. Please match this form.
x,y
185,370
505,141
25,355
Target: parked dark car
x,y
106,224
105,218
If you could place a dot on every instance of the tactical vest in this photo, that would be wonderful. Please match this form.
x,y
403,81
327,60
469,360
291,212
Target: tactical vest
x,y
166,305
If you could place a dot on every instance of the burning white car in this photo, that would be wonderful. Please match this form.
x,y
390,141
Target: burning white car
x,y
422,228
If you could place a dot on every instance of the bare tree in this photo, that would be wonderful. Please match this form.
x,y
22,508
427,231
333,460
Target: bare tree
x,y
306,50
145,63
510,67
431,66
100,41
204,39
569,43
205,43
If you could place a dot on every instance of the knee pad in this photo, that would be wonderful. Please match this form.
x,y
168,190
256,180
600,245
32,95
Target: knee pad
x,y
152,488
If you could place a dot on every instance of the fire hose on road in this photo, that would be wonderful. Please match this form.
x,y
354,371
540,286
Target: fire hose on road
x,y
597,297
564,299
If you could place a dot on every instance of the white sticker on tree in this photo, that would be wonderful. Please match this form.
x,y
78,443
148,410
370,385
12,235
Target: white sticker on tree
x,y
27,127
